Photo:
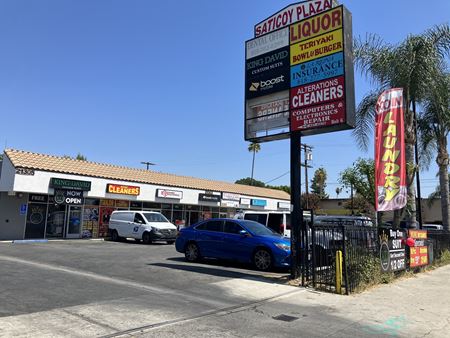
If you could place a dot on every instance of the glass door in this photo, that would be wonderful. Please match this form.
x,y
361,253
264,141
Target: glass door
x,y
74,221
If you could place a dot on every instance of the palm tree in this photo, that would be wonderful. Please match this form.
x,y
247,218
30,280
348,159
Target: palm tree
x,y
254,147
434,127
411,65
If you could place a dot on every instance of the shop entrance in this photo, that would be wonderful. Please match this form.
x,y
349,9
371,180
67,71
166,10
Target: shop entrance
x,y
74,217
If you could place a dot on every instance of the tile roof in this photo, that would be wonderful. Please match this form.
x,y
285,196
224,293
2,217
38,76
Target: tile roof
x,y
57,164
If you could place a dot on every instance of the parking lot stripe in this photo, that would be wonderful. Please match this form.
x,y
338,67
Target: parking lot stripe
x,y
118,281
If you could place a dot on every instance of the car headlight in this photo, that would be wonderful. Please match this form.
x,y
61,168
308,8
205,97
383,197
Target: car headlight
x,y
283,246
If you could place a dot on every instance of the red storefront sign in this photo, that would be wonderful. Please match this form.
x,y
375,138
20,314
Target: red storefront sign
x,y
322,115
319,92
418,254
390,166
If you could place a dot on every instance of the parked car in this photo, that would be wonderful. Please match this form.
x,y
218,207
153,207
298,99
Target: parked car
x,y
233,239
432,227
343,220
278,221
147,226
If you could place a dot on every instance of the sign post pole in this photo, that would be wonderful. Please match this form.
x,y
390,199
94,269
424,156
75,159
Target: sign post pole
x,y
296,213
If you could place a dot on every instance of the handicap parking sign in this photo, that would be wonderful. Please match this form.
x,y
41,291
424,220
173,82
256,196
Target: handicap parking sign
x,y
23,209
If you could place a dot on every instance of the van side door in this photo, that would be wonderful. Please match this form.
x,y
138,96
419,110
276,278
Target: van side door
x,y
137,227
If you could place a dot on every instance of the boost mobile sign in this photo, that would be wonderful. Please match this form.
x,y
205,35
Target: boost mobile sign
x,y
299,73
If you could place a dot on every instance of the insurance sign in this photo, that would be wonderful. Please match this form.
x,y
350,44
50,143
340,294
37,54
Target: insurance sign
x,y
299,75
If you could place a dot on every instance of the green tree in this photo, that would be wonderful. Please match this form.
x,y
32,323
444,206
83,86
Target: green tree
x,y
319,183
250,181
411,65
361,177
434,127
254,148
79,157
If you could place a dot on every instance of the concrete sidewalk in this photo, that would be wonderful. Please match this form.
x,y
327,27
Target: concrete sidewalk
x,y
414,307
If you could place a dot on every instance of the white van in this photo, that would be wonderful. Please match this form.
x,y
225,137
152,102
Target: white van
x,y
147,226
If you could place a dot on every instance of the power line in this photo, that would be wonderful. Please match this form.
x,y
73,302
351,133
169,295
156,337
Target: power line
x,y
277,177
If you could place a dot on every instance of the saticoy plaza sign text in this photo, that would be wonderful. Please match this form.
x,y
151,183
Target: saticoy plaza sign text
x,y
299,73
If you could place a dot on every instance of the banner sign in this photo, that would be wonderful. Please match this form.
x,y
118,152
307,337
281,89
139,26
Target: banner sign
x,y
317,25
72,197
390,164
418,255
319,82
317,47
165,193
62,183
268,115
268,73
317,70
267,43
208,198
230,196
292,14
259,203
392,250
123,189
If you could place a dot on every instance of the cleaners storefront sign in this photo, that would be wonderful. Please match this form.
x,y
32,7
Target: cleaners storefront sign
x,y
123,189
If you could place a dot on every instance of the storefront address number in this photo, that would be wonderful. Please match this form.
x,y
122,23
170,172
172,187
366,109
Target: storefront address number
x,y
24,171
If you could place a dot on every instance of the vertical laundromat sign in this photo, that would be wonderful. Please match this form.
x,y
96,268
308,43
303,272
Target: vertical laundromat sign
x,y
299,73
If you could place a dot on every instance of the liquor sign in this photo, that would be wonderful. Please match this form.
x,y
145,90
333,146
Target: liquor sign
x,y
418,254
166,193
390,163
123,189
314,94
392,250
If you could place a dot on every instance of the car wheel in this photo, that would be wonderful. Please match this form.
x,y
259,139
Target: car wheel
x,y
115,236
192,253
146,238
262,259
170,242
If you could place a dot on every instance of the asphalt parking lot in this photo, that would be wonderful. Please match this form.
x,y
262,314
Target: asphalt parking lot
x,y
90,280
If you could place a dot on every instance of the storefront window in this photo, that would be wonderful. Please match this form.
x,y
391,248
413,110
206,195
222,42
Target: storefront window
x,y
167,214
166,206
55,220
152,205
135,205
91,201
90,222
36,217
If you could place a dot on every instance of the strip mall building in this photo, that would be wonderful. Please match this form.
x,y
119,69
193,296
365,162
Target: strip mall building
x,y
43,196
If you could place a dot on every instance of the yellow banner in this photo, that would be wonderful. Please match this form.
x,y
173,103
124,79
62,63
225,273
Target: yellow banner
x,y
317,47
316,25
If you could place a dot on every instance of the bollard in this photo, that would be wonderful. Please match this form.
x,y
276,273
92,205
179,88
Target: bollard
x,y
339,272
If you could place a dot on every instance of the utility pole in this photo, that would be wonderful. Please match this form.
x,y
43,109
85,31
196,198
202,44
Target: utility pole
x,y
148,164
307,150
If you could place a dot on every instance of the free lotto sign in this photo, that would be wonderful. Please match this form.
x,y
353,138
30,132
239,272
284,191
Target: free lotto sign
x,y
301,75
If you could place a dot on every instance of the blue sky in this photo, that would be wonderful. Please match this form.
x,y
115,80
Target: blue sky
x,y
129,81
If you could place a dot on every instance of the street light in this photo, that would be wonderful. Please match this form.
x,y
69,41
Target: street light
x,y
148,164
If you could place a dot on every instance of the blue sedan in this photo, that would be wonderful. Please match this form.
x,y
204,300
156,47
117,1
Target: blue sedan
x,y
241,240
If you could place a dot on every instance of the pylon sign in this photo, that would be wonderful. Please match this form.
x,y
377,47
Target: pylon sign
x,y
299,78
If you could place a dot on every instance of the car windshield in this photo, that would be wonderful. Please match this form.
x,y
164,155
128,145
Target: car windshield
x,y
258,229
154,217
